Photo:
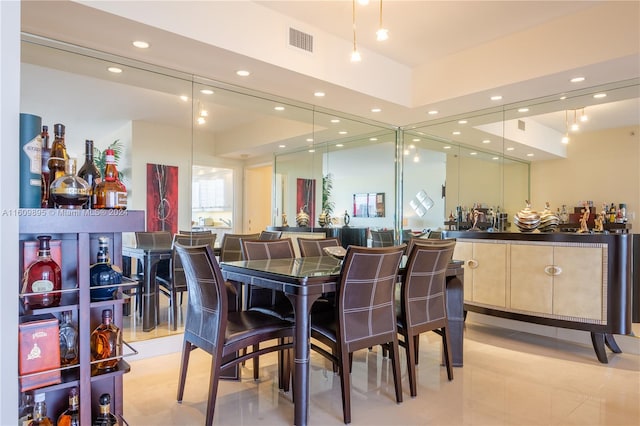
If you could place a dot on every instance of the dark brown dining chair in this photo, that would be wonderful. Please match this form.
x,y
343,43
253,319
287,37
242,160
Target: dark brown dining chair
x,y
202,231
383,238
176,281
270,235
423,301
211,327
311,247
365,314
151,239
230,247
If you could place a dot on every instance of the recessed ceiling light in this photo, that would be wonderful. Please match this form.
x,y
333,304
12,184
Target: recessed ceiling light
x,y
204,113
446,147
563,97
462,121
600,95
415,140
375,110
309,139
206,91
373,139
201,120
433,112
339,145
486,141
312,150
457,132
282,146
342,132
319,94
141,44
530,154
243,73
473,153
496,98
114,70
279,108
184,98
510,148
495,158
335,120
523,110
577,79
412,146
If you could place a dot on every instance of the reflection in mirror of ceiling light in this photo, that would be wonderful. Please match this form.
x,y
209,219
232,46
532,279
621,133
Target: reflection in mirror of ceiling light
x,y
201,120
184,98
577,79
335,120
319,94
312,150
279,108
243,73
496,98
406,152
563,97
599,95
495,158
446,147
282,146
339,145
309,139
412,146
375,110
416,158
373,139
530,154
510,148
204,113
575,127
140,44
565,139
523,110
342,132
486,141
433,112
114,70
206,91
457,132
473,153
415,140
462,121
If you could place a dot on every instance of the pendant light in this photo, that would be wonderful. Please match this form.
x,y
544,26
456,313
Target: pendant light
x,y
382,34
355,55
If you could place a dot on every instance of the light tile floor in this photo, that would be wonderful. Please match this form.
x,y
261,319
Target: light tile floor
x,y
508,378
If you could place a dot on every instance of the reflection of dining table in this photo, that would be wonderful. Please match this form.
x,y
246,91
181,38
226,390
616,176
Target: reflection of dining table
x,y
303,281
150,257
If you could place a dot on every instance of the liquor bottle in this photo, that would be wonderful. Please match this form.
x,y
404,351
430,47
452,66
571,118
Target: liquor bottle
x,y
71,416
110,193
42,277
58,157
106,342
40,412
70,191
25,410
89,172
105,417
44,173
68,340
103,275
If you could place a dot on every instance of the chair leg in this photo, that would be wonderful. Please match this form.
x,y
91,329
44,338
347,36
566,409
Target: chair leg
x,y
410,342
174,310
213,391
256,364
417,346
184,363
345,382
446,347
395,363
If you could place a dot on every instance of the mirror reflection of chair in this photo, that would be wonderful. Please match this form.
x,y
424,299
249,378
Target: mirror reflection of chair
x,y
192,232
210,327
383,238
176,282
365,314
423,301
230,247
151,239
312,247
270,235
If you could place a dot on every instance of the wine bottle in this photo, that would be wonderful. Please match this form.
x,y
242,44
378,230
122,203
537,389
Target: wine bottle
x,y
68,340
57,158
44,174
105,417
71,416
69,191
89,172
103,277
42,279
106,343
111,192
40,417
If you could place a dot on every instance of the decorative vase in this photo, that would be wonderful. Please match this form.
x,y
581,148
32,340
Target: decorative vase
x,y
347,218
526,219
549,221
302,218
324,220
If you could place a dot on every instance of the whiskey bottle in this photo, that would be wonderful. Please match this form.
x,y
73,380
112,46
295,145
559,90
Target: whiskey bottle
x,y
105,417
103,277
44,173
40,412
71,416
110,193
42,280
68,340
25,410
70,191
89,172
58,157
106,343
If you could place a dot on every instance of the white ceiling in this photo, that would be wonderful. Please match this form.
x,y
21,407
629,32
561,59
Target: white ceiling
x,y
444,55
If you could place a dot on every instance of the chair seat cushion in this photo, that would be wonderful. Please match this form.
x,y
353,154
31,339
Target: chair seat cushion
x,y
324,324
246,327
285,310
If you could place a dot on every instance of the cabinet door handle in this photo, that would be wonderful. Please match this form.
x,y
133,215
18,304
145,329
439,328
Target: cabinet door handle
x,y
552,270
472,263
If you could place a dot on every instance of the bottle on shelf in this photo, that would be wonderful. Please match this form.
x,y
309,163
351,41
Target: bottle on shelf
x,y
40,417
89,172
105,417
42,280
57,158
44,173
71,416
70,191
68,340
25,410
106,343
110,193
104,275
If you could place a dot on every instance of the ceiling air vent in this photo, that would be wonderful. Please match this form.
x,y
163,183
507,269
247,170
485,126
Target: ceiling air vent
x,y
300,40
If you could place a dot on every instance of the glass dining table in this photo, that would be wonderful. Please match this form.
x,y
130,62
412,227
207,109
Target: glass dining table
x,y
303,281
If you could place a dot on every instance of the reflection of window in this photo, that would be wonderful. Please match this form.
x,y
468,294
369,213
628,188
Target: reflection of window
x,y
369,204
211,188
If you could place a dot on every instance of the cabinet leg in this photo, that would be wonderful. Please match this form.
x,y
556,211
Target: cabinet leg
x,y
598,340
611,343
